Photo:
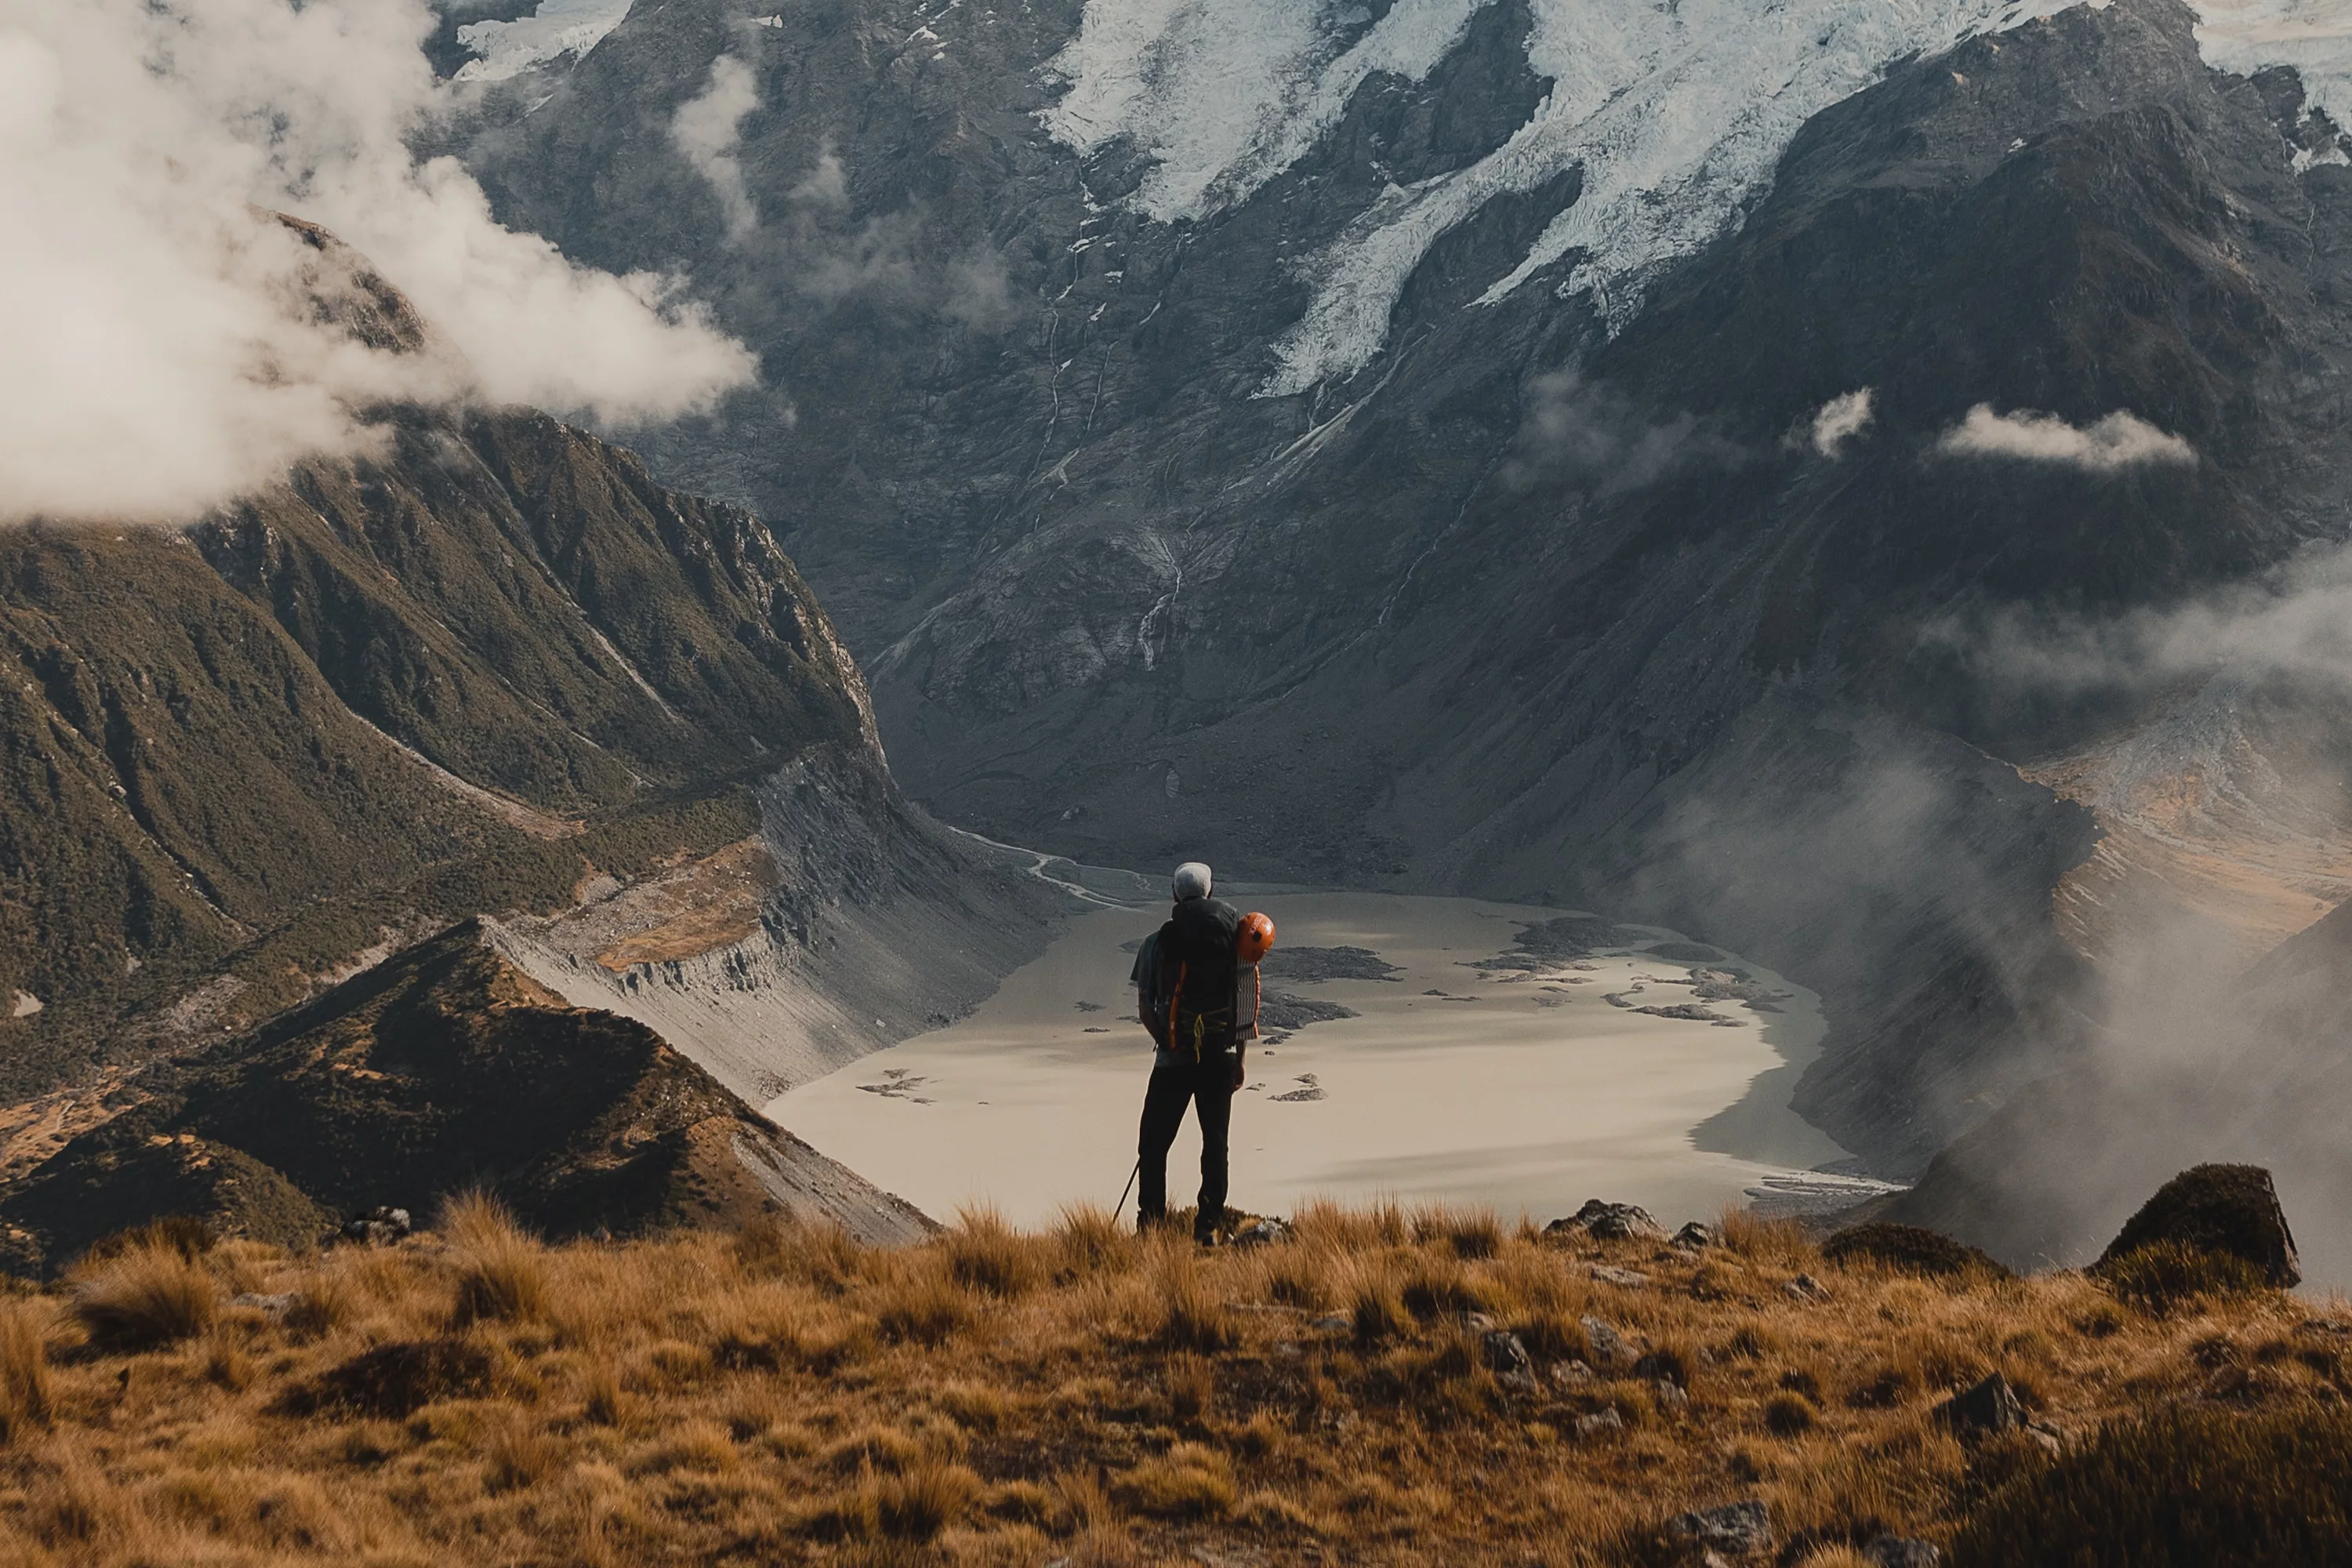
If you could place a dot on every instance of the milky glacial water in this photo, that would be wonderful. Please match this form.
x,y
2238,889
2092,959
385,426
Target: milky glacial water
x,y
1529,1094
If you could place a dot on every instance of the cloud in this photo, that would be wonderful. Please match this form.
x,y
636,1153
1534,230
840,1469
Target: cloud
x,y
158,351
2292,625
1590,437
827,186
2121,440
1842,419
708,128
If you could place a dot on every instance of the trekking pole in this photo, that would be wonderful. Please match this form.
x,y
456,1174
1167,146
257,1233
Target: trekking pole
x,y
1121,1207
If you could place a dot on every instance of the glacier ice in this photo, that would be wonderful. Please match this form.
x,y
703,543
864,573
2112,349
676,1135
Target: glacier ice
x,y
559,28
1677,113
2315,36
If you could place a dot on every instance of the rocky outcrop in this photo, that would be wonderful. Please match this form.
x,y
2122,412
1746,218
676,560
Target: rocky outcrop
x,y
2228,1209
1911,1248
441,1069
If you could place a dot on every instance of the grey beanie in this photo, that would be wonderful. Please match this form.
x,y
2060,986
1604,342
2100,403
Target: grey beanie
x,y
1190,881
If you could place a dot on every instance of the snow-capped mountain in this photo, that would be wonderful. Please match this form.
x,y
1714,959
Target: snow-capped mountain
x,y
1556,449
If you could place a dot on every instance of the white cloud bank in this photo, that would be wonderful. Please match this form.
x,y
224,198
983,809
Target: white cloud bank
x,y
2121,440
155,357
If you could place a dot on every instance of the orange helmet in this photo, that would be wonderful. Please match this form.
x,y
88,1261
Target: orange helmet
x,y
1254,940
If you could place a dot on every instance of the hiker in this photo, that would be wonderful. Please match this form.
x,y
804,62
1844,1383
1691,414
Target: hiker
x,y
1192,993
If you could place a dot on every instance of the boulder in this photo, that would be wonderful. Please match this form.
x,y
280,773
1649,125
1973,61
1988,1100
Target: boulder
x,y
1607,1346
1741,1529
1989,1408
1609,1222
1567,1375
1505,1353
1912,1248
377,1226
1901,1551
1805,1288
1599,1423
1695,1236
2228,1209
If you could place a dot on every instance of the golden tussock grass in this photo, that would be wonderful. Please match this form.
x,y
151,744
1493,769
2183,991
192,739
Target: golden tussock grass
x,y
784,1396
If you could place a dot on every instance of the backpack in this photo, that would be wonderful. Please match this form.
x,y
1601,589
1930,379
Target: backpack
x,y
1197,968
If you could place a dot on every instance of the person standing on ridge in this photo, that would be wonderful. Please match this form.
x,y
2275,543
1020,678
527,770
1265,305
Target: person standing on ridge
x,y
1190,995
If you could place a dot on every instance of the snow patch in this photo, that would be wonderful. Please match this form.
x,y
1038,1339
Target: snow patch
x,y
1677,113
557,29
2315,36
1223,95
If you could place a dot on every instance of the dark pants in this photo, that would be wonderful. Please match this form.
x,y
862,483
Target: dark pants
x,y
1209,1085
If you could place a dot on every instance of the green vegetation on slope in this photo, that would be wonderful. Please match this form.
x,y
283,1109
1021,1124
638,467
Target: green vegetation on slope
x,y
204,796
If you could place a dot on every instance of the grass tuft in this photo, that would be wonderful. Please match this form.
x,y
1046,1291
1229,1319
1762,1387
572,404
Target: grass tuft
x,y
986,1254
2182,1490
26,1395
2167,1275
149,1296
502,1269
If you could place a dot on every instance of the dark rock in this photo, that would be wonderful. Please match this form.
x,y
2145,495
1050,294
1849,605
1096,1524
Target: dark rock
x,y
1695,1236
1686,953
1687,1012
1318,964
1900,1551
1505,1353
2228,1209
1738,1528
1280,1012
1606,1346
1805,1288
1986,1410
1600,1423
1910,1248
1609,1222
377,1226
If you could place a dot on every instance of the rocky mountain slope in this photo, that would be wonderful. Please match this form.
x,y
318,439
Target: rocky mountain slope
x,y
441,1069
485,669
1517,448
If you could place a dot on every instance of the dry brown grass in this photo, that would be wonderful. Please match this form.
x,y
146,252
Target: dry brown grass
x,y
148,1295
784,1396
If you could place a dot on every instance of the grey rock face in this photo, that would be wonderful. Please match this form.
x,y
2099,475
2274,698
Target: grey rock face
x,y
1609,1222
1984,1410
1738,1528
1607,1346
1523,607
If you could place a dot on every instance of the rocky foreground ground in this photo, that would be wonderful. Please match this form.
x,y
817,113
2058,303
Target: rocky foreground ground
x,y
1377,1387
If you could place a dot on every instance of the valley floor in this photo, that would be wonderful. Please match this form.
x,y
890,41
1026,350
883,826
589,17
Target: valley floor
x,y
1455,1069
1079,1396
